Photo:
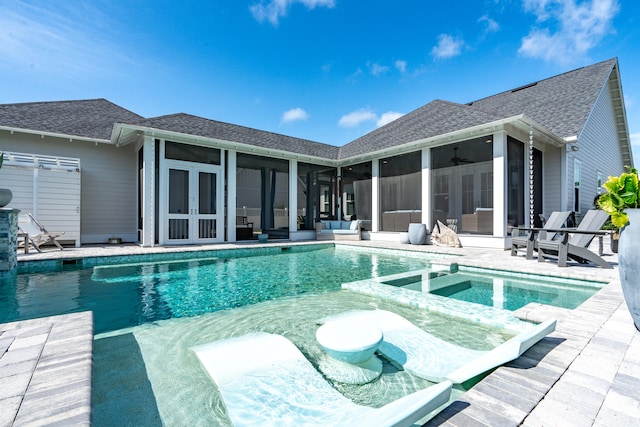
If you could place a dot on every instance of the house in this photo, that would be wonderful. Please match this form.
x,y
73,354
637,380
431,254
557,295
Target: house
x,y
182,179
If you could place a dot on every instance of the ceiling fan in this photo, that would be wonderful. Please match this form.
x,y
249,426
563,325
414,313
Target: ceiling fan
x,y
458,160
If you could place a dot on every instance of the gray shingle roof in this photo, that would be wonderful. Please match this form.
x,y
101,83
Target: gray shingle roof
x,y
198,126
435,118
561,103
92,118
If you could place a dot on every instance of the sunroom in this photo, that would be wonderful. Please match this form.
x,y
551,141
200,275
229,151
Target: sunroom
x,y
196,189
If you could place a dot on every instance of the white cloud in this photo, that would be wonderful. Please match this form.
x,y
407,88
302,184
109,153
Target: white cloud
x,y
401,65
388,117
355,118
363,115
377,69
59,41
580,27
272,11
492,26
447,47
294,114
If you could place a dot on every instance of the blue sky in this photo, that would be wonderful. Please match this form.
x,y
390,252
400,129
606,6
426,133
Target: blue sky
x,y
324,70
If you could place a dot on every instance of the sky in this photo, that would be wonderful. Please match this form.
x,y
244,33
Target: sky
x,y
324,70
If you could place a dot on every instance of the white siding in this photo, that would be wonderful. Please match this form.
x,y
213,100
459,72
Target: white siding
x,y
599,149
109,176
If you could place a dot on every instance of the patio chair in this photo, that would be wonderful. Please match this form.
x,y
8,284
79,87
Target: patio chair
x,y
264,379
527,241
574,243
37,234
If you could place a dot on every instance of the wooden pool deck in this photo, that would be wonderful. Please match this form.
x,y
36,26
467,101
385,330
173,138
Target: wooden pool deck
x,y
587,373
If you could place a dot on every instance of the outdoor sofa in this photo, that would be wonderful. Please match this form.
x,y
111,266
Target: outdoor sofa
x,y
339,230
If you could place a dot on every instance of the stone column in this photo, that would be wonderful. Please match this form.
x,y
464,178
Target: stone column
x,y
8,239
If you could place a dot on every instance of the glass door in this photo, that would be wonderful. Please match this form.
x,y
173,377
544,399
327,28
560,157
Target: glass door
x,y
194,198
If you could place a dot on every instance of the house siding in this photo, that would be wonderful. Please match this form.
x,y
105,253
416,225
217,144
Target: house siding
x,y
552,177
599,148
108,206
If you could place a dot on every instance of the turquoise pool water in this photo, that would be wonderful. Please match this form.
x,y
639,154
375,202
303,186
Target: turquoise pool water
x,y
128,294
501,290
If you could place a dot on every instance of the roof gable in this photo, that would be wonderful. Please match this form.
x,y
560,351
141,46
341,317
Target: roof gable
x,y
93,118
561,104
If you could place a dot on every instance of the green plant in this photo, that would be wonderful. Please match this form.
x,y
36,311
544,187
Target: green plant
x,y
622,193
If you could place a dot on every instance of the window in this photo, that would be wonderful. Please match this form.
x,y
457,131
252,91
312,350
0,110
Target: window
x,y
599,182
467,194
462,183
400,187
486,189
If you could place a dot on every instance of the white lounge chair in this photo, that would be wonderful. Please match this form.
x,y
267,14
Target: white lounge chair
x,y
37,234
426,356
574,243
265,380
556,220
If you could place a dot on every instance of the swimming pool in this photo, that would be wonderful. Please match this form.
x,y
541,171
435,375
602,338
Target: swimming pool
x,y
149,314
133,293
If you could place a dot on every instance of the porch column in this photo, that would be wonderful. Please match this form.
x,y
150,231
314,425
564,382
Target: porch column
x,y
148,192
339,196
426,188
231,196
293,196
500,191
375,196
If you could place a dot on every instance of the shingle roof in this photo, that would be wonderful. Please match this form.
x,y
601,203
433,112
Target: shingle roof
x,y
92,118
436,118
561,104
198,126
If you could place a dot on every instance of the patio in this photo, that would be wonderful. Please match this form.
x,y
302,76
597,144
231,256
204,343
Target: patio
x,y
585,373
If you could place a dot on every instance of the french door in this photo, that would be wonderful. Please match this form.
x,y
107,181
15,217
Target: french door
x,y
193,212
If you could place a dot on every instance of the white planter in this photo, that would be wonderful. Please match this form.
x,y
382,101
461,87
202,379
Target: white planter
x,y
628,249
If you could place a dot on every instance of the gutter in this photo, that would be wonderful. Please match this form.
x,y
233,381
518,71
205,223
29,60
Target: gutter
x,y
44,134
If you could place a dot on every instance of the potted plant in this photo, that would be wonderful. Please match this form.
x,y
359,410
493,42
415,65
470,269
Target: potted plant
x,y
5,193
621,202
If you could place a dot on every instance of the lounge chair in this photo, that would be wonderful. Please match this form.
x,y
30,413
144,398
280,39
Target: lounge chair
x,y
265,380
37,234
556,220
574,243
426,356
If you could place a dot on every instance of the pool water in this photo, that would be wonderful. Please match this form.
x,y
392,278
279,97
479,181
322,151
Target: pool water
x,y
148,315
501,290
125,295
148,374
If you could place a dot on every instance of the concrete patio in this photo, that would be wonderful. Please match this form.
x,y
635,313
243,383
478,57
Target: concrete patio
x,y
586,373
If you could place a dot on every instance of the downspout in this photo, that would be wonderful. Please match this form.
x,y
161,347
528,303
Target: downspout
x,y
531,194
